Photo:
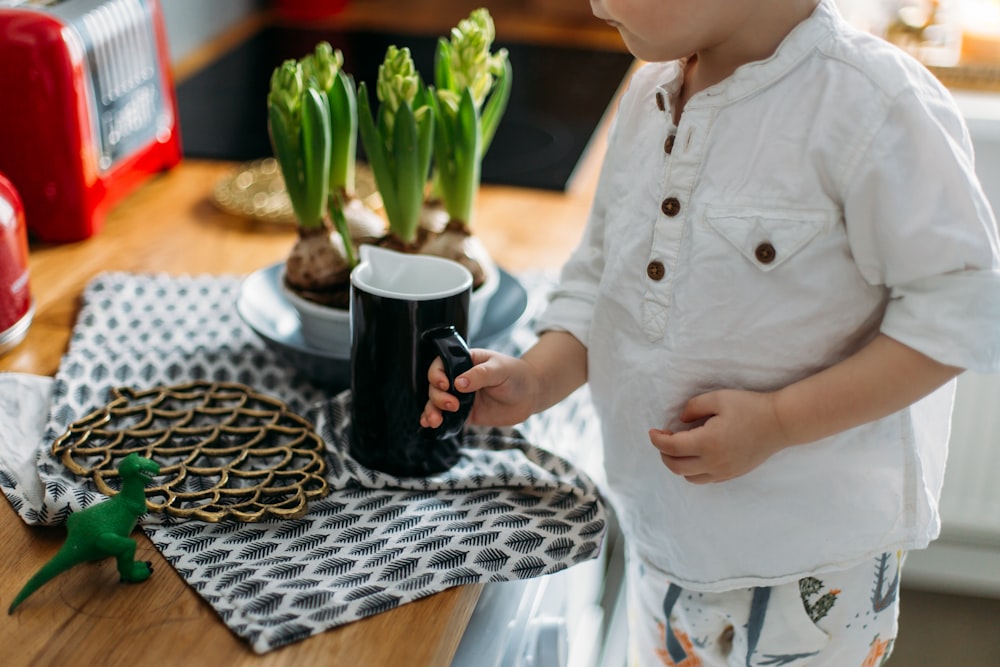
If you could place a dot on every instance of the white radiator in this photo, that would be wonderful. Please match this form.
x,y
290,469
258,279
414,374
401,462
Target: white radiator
x,y
966,558
970,500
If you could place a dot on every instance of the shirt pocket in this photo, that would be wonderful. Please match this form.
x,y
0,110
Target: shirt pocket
x,y
768,238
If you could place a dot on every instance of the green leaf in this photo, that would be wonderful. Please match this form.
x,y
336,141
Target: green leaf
x,y
468,123
446,160
443,78
444,130
457,140
340,224
286,150
344,132
443,143
495,106
378,159
409,179
425,129
315,154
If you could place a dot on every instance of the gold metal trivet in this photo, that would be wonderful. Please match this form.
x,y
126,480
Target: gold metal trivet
x,y
256,190
224,451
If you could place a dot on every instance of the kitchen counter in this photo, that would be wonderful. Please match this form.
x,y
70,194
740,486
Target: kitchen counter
x,y
170,225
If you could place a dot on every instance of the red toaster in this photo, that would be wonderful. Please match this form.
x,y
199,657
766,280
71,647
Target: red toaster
x,y
16,304
87,108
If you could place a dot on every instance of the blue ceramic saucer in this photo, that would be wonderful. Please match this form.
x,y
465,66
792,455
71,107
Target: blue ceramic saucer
x,y
264,308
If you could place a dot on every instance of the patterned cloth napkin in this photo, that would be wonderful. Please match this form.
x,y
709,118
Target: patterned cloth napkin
x,y
508,510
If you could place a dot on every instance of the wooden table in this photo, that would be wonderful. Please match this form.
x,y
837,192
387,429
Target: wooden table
x,y
84,617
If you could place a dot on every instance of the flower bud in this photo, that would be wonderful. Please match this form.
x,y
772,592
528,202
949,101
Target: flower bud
x,y
285,95
323,65
397,83
471,64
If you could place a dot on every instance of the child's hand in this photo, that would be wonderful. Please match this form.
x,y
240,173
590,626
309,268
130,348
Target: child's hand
x,y
740,430
506,390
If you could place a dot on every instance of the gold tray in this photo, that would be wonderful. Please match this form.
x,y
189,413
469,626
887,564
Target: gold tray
x,y
256,190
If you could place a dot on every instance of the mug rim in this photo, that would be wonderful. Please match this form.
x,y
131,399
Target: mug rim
x,y
358,278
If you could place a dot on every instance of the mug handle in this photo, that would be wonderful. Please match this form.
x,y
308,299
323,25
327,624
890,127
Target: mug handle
x,y
457,359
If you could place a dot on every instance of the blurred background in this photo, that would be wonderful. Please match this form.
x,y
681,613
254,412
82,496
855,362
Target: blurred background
x,y
939,32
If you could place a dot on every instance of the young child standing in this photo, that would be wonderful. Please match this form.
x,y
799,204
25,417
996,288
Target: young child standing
x,y
788,261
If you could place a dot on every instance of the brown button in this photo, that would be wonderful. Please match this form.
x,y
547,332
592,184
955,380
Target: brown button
x,y
669,145
765,253
671,206
655,270
660,104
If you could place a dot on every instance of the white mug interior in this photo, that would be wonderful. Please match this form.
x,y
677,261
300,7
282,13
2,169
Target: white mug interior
x,y
407,276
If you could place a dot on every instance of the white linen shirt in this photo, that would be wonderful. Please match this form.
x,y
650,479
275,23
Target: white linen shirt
x,y
804,204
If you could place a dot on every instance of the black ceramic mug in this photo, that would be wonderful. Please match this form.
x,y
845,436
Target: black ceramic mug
x,y
406,310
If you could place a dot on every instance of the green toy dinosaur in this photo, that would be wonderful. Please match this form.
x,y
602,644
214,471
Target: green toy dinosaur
x,y
102,531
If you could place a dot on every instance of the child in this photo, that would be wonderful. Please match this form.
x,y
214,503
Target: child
x,y
788,261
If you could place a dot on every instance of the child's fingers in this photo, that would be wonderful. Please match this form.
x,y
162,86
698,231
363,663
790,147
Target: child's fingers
x,y
700,407
474,379
676,458
436,375
481,375
441,399
669,443
431,417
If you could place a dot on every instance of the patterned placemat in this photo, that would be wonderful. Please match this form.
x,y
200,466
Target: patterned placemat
x,y
508,510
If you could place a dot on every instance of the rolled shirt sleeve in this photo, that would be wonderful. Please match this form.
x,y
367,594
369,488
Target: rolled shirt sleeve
x,y
919,223
571,304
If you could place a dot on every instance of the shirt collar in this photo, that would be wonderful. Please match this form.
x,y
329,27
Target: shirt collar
x,y
754,76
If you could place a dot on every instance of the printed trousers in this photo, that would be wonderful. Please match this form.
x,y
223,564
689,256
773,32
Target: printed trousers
x,y
838,619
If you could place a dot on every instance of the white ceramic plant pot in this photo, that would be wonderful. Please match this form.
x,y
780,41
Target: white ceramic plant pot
x,y
323,327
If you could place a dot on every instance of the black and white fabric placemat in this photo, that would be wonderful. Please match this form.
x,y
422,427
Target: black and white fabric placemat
x,y
509,509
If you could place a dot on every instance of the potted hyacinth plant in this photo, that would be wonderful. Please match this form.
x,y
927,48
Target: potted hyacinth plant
x,y
312,121
471,90
398,141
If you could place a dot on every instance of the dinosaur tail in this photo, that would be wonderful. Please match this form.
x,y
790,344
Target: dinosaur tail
x,y
57,565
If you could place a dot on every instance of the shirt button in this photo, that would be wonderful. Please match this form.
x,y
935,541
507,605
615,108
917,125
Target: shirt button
x,y
671,206
655,270
765,253
669,145
660,104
